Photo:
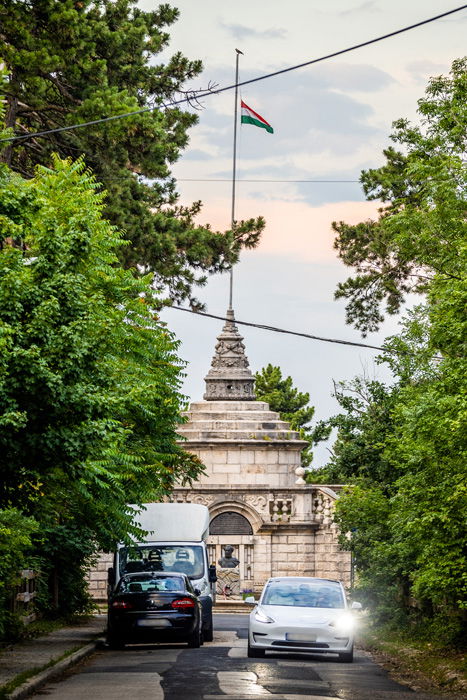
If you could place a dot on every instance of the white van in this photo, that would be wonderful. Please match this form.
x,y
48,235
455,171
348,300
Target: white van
x,y
175,541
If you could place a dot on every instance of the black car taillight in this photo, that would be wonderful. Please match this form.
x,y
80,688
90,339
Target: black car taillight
x,y
183,603
121,605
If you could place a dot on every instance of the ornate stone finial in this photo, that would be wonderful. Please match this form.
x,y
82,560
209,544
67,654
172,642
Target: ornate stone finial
x,y
300,472
230,378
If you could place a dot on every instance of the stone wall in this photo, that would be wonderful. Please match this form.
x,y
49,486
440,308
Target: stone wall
x,y
97,577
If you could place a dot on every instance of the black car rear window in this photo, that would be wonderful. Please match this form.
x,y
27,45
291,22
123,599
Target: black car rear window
x,y
143,584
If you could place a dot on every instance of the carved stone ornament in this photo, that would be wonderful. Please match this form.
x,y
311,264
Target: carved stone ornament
x,y
228,583
190,497
229,378
259,503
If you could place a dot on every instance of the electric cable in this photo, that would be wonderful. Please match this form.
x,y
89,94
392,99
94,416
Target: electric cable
x,y
274,329
218,91
220,179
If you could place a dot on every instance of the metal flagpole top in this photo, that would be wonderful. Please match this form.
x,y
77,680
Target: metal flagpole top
x,y
234,167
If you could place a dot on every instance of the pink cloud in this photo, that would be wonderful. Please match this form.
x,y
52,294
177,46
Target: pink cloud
x,y
293,229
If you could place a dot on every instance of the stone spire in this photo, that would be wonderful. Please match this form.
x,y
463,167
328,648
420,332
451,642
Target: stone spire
x,y
229,378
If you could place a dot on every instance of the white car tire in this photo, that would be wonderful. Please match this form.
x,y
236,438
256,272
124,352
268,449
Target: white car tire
x,y
346,657
255,653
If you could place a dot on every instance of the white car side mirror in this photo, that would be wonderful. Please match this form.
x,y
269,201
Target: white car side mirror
x,y
356,606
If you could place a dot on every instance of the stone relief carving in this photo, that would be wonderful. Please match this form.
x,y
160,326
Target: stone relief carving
x,y
223,346
191,497
259,503
202,500
228,583
219,362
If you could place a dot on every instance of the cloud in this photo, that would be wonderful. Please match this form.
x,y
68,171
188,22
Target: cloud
x,y
240,31
422,70
309,112
322,131
349,77
197,154
369,6
304,232
296,229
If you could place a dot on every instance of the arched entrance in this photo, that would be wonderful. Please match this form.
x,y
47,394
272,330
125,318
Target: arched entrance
x,y
232,525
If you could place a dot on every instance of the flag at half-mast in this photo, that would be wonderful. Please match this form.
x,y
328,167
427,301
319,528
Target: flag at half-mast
x,y
249,116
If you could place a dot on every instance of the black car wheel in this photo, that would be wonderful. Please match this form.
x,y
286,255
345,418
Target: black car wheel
x,y
194,639
115,642
255,653
208,632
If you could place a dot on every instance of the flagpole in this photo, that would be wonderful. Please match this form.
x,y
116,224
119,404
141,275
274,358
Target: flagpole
x,y
234,167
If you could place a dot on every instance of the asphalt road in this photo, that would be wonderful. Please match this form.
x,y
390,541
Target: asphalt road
x,y
221,670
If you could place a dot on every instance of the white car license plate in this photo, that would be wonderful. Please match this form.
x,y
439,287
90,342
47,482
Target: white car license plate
x,y
300,637
153,623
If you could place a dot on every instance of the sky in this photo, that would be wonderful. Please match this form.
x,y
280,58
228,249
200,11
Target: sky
x,y
331,120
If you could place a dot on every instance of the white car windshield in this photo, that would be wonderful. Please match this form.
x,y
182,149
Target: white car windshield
x,y
306,595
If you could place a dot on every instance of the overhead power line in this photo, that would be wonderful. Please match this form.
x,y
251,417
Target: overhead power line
x,y
218,91
196,179
274,329
263,180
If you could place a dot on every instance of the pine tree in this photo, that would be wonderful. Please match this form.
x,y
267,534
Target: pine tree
x,y
292,406
71,62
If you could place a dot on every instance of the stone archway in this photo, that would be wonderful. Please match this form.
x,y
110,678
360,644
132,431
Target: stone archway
x,y
233,523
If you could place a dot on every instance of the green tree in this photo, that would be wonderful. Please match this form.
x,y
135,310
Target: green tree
x,y
89,377
72,62
362,429
404,454
16,533
292,406
407,511
421,228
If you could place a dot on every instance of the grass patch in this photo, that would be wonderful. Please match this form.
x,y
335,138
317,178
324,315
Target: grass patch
x,y
420,664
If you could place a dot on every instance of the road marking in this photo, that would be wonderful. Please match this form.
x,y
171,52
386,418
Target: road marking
x,y
238,653
224,638
240,683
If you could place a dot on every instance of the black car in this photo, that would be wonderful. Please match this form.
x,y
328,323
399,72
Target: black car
x,y
154,607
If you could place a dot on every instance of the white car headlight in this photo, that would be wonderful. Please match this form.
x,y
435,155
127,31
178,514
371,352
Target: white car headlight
x,y
345,623
260,616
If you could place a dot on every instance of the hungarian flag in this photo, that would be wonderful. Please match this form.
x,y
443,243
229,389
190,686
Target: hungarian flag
x,y
249,116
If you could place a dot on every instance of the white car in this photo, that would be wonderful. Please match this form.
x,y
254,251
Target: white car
x,y
298,613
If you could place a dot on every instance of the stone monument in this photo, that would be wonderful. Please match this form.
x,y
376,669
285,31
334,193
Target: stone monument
x,y
264,516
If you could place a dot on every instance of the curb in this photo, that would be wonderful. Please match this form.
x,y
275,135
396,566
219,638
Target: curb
x,y
41,678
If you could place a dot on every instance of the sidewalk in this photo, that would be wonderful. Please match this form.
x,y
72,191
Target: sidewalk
x,y
37,660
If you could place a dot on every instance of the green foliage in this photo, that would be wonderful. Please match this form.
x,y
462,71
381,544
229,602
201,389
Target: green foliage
x,y
362,427
16,533
405,455
73,62
292,406
405,448
423,223
89,377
